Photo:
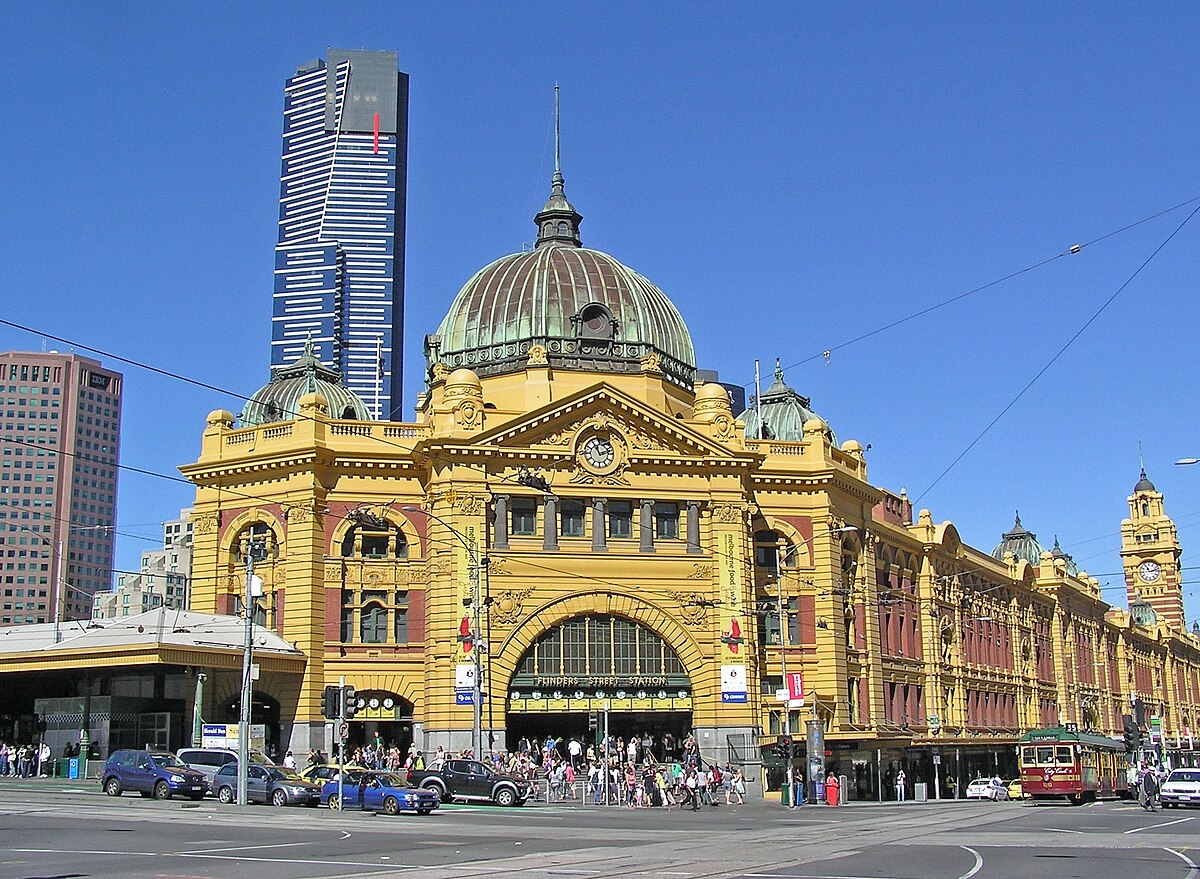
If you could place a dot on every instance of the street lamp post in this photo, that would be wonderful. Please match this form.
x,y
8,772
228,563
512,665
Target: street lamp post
x,y
475,604
256,550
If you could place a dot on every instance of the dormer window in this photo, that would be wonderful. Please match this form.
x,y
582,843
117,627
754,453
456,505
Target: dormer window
x,y
595,322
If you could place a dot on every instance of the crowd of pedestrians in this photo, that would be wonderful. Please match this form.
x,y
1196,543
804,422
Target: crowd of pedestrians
x,y
25,761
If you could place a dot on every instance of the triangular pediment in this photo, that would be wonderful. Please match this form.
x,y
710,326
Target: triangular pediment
x,y
558,426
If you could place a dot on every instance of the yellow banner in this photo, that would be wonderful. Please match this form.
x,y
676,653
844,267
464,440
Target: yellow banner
x,y
730,581
467,555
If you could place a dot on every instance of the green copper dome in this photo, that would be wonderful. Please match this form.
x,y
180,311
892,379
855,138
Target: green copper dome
x,y
588,311
279,399
784,413
1020,542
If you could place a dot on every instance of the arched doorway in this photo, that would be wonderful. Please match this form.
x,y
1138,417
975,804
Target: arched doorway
x,y
382,719
587,666
264,710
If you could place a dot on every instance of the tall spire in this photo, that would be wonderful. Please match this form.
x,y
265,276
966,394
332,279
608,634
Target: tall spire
x,y
557,222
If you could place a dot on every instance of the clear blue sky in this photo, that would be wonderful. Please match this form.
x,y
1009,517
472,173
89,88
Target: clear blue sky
x,y
791,177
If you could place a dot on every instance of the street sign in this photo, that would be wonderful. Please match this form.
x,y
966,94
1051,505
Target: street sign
x,y
344,731
937,759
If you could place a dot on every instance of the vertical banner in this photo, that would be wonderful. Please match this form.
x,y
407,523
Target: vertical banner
x,y
795,688
733,683
730,582
465,565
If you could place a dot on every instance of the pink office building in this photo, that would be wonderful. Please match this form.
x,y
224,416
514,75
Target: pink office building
x,y
60,424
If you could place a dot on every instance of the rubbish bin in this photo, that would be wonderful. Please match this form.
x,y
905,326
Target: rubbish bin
x,y
73,768
785,794
921,792
820,791
61,768
831,790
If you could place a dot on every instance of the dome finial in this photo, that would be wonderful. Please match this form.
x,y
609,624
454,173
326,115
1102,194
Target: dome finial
x,y
778,371
558,222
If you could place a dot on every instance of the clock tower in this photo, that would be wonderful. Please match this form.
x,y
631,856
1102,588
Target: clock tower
x,y
1150,553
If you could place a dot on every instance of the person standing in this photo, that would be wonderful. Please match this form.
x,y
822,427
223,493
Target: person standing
x,y
1150,789
901,778
574,751
289,761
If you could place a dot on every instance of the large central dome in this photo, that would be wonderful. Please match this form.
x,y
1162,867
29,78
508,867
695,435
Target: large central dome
x,y
587,310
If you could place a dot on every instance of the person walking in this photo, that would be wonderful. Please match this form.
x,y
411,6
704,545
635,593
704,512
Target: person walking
x,y
901,778
1150,788
737,788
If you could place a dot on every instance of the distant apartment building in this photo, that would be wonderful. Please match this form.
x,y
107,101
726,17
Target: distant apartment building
x,y
60,427
162,580
339,261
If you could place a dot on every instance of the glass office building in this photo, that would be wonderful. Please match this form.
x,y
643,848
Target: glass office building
x,y
339,263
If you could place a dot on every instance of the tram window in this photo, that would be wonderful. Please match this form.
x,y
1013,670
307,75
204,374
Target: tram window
x,y
1045,756
1028,756
1065,757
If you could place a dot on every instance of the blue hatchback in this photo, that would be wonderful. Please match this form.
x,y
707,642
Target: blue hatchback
x,y
157,774
379,792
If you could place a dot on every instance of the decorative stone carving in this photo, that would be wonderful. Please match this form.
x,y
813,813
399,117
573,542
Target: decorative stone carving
x,y
692,607
558,438
297,515
651,362
538,356
440,371
471,504
467,414
727,514
506,605
583,477
333,573
205,524
498,565
700,572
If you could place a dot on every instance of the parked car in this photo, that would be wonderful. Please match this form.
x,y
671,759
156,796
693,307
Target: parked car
x,y
1015,791
473,781
266,784
319,773
1182,788
209,760
379,792
987,789
151,773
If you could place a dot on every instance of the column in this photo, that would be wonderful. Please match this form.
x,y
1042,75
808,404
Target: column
x,y
550,522
500,526
599,543
693,527
646,526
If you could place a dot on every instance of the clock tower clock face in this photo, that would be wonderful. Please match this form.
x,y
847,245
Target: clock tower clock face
x,y
598,452
1149,572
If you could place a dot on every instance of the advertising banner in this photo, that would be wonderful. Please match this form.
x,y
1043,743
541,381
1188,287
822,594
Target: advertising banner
x,y
464,683
733,683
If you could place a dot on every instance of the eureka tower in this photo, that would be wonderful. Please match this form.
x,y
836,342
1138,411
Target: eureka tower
x,y
339,263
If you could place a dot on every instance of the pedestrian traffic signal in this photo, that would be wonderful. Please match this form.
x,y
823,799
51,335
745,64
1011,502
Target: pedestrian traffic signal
x,y
349,702
331,702
1133,735
784,747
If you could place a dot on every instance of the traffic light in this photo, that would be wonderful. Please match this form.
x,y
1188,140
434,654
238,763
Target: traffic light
x,y
1133,735
783,747
330,702
349,702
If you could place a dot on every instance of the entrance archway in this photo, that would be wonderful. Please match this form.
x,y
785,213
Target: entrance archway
x,y
597,668
382,719
264,709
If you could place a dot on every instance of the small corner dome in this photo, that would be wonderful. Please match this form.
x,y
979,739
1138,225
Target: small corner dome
x,y
1021,543
219,417
462,378
786,415
291,388
711,391
1143,484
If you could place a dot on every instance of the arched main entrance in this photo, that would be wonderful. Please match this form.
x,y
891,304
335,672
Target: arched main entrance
x,y
581,668
264,709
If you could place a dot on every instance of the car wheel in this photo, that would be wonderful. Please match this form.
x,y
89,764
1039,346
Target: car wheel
x,y
334,801
391,806
436,788
225,795
279,798
162,791
505,797
112,787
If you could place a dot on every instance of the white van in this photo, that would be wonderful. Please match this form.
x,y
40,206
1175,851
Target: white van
x,y
209,760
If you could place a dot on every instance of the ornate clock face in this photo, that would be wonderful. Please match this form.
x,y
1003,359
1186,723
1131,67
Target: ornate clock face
x,y
598,452
1149,571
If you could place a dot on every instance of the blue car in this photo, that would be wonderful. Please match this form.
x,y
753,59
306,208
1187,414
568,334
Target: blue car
x,y
379,792
152,774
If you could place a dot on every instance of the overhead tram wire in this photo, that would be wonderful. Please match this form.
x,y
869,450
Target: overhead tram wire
x,y
166,373
1070,251
1059,353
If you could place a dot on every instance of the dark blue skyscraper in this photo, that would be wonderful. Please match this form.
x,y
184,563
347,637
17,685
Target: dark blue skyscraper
x,y
339,264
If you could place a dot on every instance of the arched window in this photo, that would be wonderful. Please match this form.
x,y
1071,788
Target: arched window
x,y
596,322
255,531
766,551
601,646
375,543
373,627
348,413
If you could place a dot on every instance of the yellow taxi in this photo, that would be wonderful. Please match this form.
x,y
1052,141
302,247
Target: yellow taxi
x,y
1014,790
319,773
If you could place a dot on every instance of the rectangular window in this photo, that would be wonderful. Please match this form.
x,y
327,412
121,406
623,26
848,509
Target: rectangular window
x,y
572,519
620,519
624,647
600,646
550,653
401,617
666,521
524,516
650,651
574,647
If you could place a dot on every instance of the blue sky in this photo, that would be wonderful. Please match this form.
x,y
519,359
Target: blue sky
x,y
791,175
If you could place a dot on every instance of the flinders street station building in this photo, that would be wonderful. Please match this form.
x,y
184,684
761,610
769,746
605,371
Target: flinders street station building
x,y
576,530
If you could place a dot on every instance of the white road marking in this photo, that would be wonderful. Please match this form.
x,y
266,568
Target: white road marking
x,y
1195,869
236,848
345,834
1060,830
1164,824
978,863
